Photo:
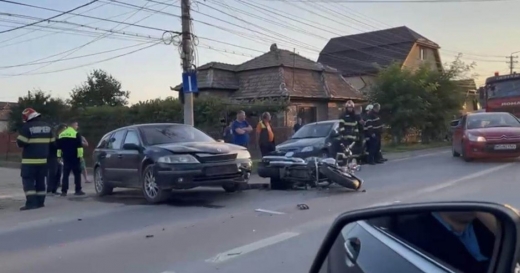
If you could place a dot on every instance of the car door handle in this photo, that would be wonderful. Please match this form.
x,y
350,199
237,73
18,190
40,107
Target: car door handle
x,y
352,247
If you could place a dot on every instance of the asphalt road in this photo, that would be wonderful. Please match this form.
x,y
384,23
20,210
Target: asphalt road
x,y
211,231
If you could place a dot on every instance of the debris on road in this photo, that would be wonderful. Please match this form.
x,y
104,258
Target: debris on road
x,y
270,211
302,206
149,236
79,219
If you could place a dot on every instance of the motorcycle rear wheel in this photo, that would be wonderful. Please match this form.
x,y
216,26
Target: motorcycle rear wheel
x,y
346,180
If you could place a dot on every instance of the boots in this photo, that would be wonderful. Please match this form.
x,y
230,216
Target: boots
x,y
40,201
31,202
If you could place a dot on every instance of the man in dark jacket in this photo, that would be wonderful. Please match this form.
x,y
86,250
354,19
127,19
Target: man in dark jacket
x,y
70,149
460,239
374,129
348,128
54,165
35,138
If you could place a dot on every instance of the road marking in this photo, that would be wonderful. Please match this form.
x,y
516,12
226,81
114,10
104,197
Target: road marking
x,y
239,251
269,211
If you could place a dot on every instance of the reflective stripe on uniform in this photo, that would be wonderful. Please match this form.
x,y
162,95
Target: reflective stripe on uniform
x,y
41,193
80,152
34,160
40,140
22,138
58,153
27,193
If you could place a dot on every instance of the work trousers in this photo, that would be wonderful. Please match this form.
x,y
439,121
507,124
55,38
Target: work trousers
x,y
374,147
53,175
33,180
266,148
73,166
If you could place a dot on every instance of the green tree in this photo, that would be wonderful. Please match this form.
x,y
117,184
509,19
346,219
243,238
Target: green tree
x,y
53,110
422,99
100,89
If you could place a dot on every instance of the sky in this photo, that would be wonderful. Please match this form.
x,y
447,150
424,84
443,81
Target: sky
x,y
57,55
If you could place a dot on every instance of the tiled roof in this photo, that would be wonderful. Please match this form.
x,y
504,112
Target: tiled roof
x,y
276,73
467,84
357,54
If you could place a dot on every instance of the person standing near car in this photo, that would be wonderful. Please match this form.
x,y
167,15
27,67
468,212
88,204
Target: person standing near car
x,y
54,165
265,135
36,139
84,141
374,128
70,150
241,130
348,128
298,125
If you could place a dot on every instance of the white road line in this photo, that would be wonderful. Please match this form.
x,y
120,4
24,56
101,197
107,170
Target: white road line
x,y
239,251
270,211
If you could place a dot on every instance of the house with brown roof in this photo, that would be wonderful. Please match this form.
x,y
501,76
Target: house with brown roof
x,y
359,57
316,92
5,113
471,101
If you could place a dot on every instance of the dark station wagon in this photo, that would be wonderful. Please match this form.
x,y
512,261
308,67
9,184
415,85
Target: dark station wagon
x,y
158,158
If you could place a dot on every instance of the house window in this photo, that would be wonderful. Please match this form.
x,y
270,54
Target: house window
x,y
308,114
422,53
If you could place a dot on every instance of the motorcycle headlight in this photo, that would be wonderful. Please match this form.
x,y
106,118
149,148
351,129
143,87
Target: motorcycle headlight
x,y
307,149
243,154
178,159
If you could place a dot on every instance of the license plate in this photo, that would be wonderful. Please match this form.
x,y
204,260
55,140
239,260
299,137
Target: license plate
x,y
505,147
220,170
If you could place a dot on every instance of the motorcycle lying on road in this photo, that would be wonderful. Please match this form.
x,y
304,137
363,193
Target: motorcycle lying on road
x,y
288,172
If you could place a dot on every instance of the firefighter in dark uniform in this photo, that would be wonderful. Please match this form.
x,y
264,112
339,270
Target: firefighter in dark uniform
x,y
348,129
35,138
361,142
374,130
70,150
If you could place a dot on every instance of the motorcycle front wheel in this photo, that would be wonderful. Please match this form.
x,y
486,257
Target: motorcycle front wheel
x,y
341,178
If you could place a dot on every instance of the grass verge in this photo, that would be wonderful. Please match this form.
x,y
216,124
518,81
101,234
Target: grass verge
x,y
400,148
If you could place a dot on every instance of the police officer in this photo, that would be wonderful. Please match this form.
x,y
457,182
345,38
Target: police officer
x,y
35,138
54,166
70,150
374,129
349,127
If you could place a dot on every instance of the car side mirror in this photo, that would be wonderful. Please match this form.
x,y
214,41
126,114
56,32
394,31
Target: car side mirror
x,y
131,146
426,232
454,123
220,140
334,133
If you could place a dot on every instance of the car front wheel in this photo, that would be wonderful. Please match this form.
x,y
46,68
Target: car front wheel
x,y
151,191
100,186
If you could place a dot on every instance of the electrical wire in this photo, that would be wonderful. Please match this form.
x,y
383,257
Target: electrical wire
x,y
92,63
82,15
43,20
391,1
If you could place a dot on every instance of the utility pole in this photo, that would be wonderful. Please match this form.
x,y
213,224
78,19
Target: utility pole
x,y
187,57
512,62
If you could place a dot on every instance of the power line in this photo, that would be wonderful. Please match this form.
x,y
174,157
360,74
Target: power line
x,y
92,63
43,20
86,16
390,1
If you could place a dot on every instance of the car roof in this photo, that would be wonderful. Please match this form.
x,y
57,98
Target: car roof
x,y
324,121
476,114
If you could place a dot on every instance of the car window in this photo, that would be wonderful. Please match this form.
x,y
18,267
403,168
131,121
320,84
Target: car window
x,y
116,140
172,133
103,143
314,130
132,138
492,121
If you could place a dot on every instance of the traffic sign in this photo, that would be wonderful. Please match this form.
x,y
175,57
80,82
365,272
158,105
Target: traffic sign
x,y
189,82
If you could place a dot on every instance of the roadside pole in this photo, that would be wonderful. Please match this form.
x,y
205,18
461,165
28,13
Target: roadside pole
x,y
189,79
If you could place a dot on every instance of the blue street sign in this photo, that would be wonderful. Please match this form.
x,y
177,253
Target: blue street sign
x,y
189,82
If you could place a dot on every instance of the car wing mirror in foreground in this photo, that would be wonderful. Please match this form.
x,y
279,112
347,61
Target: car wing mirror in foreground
x,y
423,237
131,146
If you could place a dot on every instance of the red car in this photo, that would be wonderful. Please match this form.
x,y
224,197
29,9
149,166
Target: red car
x,y
486,135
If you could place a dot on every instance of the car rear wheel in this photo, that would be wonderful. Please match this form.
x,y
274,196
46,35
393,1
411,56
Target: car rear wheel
x,y
99,185
151,191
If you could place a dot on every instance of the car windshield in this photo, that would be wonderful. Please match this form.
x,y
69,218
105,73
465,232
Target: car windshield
x,y
172,133
314,130
504,89
492,120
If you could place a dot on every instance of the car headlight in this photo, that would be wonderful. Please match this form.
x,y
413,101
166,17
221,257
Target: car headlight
x,y
307,149
476,138
178,159
243,154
